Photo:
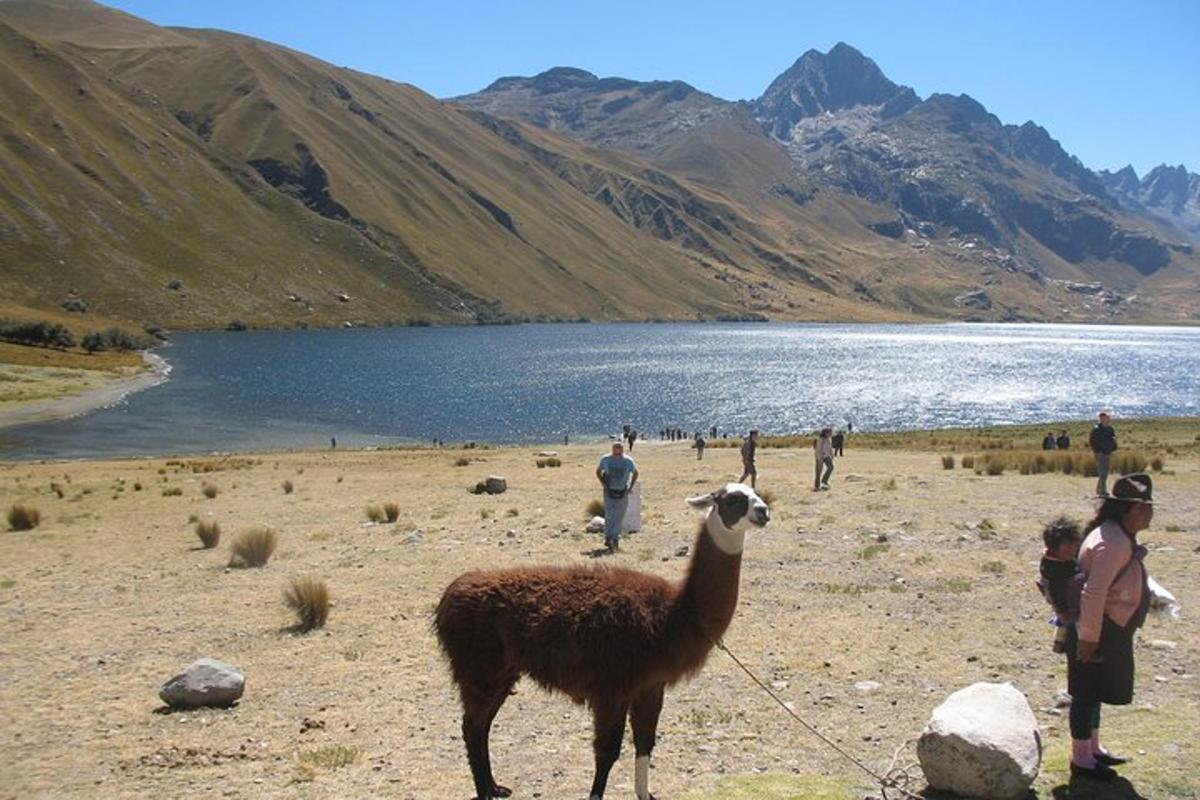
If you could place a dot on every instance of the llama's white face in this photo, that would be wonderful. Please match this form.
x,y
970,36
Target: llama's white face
x,y
738,506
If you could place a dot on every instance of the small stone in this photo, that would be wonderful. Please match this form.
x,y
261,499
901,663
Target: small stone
x,y
1162,644
1062,699
867,686
779,686
682,551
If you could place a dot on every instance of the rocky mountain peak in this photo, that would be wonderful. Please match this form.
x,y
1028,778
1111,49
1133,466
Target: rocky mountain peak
x,y
818,82
1169,186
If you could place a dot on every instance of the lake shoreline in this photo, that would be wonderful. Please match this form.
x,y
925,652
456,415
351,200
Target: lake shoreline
x,y
156,371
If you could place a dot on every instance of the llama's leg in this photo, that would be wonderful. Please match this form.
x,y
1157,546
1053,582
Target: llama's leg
x,y
480,704
497,789
608,721
643,718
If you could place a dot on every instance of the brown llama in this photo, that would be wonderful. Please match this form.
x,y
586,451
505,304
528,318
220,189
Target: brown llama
x,y
609,637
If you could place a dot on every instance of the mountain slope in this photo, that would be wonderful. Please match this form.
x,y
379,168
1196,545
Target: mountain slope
x,y
941,176
192,177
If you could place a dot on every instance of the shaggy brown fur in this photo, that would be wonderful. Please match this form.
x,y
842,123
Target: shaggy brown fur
x,y
610,637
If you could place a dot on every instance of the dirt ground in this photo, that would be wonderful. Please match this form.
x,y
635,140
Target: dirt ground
x,y
905,574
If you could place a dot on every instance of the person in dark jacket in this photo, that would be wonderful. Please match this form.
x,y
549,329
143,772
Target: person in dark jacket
x,y
1063,442
839,443
1058,567
1048,441
1103,441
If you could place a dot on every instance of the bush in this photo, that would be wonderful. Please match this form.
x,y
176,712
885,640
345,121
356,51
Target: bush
x,y
23,518
209,490
209,532
375,514
947,462
1156,464
767,496
115,339
462,461
309,598
968,462
288,487
40,334
594,508
391,511
253,547
172,491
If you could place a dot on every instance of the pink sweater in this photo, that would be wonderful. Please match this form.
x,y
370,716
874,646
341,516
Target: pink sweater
x,y
1103,554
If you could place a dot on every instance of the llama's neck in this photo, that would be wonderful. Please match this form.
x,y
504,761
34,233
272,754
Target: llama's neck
x,y
708,596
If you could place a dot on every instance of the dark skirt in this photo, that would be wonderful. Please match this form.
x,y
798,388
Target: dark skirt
x,y
1109,678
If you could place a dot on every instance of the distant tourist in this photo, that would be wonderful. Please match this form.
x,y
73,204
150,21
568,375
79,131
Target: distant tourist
x,y
699,444
712,432
839,443
1103,441
333,443
748,451
1063,442
823,456
633,434
1048,442
617,473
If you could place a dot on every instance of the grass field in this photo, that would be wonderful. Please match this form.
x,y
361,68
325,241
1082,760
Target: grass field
x,y
906,574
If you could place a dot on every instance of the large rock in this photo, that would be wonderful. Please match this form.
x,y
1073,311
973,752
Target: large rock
x,y
982,742
207,682
496,484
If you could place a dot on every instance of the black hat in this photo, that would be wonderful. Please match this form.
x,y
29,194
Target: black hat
x,y
1133,488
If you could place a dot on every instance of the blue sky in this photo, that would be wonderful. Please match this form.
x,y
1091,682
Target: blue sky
x,y
1115,82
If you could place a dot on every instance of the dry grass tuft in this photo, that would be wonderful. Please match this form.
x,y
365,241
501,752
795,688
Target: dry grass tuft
x,y
253,547
767,496
594,508
947,462
209,490
462,461
209,532
376,514
172,491
23,518
542,463
288,487
391,511
309,598
968,462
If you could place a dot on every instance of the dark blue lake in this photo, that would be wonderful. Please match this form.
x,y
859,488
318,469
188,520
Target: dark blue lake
x,y
535,383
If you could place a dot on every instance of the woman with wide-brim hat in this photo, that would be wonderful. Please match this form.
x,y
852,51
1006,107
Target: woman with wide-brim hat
x,y
1112,606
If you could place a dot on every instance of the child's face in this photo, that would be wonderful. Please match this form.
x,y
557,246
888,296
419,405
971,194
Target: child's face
x,y
1067,550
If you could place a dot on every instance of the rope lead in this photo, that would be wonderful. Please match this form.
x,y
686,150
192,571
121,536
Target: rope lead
x,y
885,782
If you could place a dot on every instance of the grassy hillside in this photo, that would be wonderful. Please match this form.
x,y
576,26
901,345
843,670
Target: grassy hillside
x,y
196,178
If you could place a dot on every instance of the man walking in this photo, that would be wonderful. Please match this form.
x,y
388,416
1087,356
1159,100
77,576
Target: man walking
x,y
823,455
748,448
1103,441
617,474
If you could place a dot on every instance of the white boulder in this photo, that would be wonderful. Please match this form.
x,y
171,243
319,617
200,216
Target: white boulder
x,y
596,525
982,742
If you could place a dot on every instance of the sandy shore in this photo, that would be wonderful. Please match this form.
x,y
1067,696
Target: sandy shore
x,y
110,393
913,577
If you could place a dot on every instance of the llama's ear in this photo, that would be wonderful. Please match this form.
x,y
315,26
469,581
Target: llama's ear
x,y
704,500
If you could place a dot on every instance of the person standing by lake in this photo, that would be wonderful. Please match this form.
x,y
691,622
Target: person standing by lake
x,y
617,473
1063,442
749,470
699,444
839,443
823,456
1112,606
1103,441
